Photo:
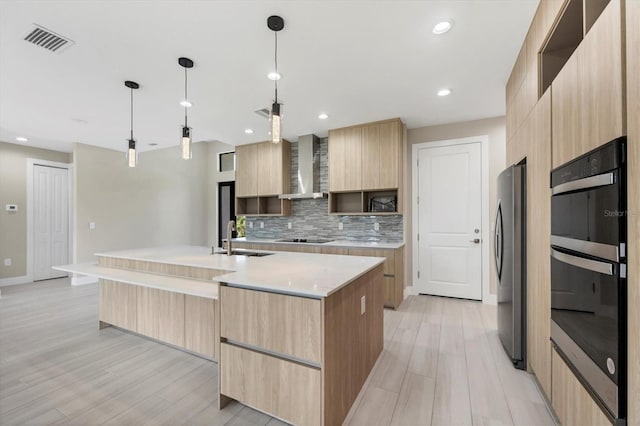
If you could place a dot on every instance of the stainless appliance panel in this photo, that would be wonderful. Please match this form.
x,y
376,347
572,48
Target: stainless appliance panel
x,y
510,262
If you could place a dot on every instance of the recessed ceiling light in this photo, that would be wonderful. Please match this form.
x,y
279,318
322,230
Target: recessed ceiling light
x,y
248,131
444,92
323,116
22,139
153,144
442,27
274,76
186,104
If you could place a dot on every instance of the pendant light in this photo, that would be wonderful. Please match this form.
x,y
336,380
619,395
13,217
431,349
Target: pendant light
x,y
186,63
275,24
132,154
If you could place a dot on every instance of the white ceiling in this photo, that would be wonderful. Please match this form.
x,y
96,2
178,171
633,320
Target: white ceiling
x,y
356,60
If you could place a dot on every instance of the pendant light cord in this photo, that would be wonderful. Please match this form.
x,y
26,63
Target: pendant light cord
x,y
276,64
132,114
185,97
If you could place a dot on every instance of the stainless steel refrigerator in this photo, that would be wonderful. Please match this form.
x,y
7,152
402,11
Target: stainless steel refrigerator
x,y
510,260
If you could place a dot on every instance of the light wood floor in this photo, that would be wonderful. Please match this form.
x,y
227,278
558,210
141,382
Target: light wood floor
x,y
442,364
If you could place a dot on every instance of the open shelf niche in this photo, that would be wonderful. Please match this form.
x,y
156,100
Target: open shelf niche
x,y
363,202
262,206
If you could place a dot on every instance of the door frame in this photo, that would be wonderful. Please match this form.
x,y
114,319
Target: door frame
x,y
31,163
232,185
487,297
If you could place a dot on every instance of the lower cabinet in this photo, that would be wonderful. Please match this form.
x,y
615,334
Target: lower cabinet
x,y
571,401
181,320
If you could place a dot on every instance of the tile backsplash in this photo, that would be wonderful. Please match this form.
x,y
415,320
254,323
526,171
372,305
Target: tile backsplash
x,y
309,217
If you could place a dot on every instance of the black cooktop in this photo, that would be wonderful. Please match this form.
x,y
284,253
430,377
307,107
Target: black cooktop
x,y
305,240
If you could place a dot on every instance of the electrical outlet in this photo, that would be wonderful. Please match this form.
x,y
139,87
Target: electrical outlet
x,y
261,225
250,225
7,262
289,225
376,226
363,305
92,225
340,225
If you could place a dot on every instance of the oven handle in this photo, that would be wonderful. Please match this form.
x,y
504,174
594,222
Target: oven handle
x,y
590,182
581,262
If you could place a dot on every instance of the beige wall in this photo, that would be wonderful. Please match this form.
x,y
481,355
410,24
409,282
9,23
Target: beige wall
x,y
160,202
495,129
214,177
13,190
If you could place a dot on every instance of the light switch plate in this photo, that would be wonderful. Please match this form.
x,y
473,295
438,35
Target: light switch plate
x,y
11,207
363,305
7,262
289,225
250,225
340,225
376,226
261,225
92,225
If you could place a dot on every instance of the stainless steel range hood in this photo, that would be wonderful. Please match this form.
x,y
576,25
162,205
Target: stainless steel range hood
x,y
308,173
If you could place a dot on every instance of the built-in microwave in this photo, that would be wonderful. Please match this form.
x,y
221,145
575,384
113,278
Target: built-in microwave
x,y
588,272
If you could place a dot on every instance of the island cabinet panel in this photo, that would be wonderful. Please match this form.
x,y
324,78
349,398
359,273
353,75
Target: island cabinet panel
x,y
202,331
171,316
289,390
352,342
148,311
118,304
287,325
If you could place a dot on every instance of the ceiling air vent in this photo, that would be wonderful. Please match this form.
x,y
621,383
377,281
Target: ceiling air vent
x,y
40,36
264,112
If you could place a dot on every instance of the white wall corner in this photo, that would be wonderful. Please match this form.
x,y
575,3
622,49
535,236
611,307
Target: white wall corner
x,y
14,280
83,280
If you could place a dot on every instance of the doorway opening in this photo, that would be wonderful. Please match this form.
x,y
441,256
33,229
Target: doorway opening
x,y
226,209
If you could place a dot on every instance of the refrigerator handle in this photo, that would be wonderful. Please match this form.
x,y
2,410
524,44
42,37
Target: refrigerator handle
x,y
498,241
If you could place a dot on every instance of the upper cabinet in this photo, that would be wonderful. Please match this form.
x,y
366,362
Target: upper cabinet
x,y
345,167
364,168
587,94
263,172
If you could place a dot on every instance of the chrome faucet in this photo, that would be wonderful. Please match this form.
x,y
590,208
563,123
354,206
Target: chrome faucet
x,y
230,228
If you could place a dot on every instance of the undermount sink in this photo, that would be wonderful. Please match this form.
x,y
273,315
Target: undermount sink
x,y
242,252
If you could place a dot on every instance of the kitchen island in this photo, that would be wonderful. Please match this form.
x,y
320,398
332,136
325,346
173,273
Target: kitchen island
x,y
295,334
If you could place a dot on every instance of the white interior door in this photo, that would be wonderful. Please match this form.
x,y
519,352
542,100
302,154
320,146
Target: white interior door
x,y
50,220
449,221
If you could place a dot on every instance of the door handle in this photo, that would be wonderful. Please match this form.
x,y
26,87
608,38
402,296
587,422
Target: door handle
x,y
475,241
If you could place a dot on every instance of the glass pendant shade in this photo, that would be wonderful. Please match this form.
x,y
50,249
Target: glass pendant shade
x,y
276,124
186,143
132,154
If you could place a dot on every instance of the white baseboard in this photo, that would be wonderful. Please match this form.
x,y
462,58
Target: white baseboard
x,y
492,299
83,280
14,280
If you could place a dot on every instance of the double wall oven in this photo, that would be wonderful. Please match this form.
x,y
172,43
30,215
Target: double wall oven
x,y
588,272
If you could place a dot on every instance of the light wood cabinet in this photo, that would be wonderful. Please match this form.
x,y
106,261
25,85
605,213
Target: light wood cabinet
x,y
570,400
365,162
300,359
246,170
278,323
632,12
290,390
147,311
263,171
345,159
118,304
171,318
202,332
587,93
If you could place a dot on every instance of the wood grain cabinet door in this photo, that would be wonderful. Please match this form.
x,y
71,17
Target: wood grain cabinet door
x,y
269,161
246,170
345,159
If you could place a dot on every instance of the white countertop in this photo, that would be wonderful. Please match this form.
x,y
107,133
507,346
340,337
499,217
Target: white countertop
x,y
145,279
334,243
305,274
